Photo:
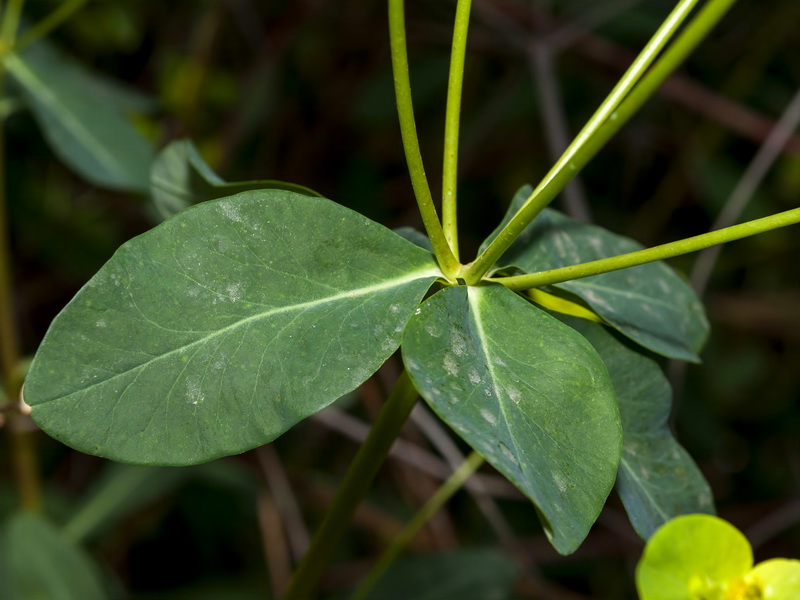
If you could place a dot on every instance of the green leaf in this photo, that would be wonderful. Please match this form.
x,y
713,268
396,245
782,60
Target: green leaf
x,y
41,565
474,574
526,392
657,479
692,557
651,304
83,122
224,326
415,237
180,178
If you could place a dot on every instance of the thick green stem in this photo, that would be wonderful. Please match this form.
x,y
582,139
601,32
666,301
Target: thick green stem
x,y
585,147
356,482
640,257
52,21
408,130
442,495
451,125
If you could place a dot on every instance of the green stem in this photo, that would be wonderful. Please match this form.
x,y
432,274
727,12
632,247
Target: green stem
x,y
356,482
648,255
23,448
11,17
585,147
46,25
442,495
408,130
451,125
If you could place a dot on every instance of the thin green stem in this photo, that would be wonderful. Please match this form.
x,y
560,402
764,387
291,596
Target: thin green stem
x,y
585,147
41,29
10,23
442,495
356,482
451,125
408,130
22,443
640,257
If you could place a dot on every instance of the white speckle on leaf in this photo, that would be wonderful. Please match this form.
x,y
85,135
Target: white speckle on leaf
x,y
514,394
101,323
432,330
596,300
459,344
418,311
194,393
394,308
234,291
231,211
450,364
489,417
474,378
560,483
507,453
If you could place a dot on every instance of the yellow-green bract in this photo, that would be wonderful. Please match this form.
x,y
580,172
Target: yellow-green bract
x,y
700,557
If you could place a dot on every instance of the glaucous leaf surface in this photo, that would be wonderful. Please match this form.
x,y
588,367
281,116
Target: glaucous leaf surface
x,y
473,574
180,178
528,393
224,326
657,479
81,121
41,565
651,304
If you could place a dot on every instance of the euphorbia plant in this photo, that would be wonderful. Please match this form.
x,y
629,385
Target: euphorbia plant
x,y
238,317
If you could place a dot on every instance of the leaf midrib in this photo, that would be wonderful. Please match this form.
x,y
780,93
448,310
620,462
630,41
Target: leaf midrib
x,y
354,293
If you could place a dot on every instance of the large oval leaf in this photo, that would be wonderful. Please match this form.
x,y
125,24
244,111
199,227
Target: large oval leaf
x,y
525,391
222,327
651,304
657,479
83,126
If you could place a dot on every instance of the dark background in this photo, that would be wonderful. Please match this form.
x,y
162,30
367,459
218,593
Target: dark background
x,y
301,91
